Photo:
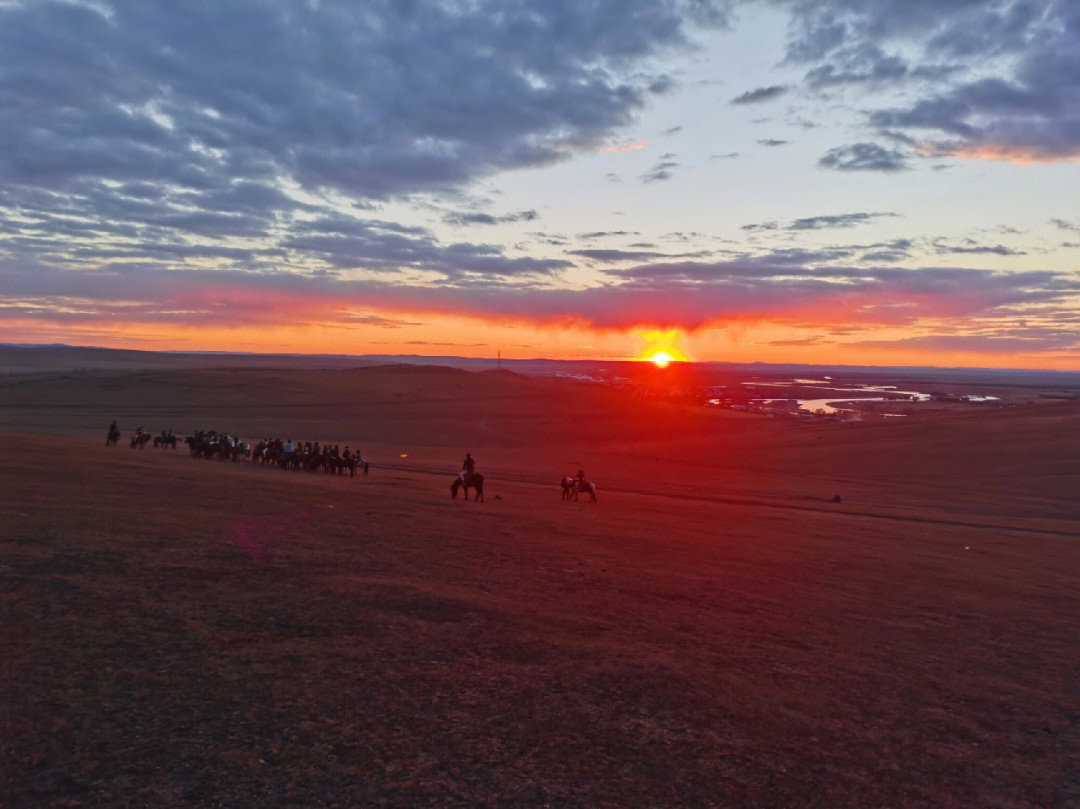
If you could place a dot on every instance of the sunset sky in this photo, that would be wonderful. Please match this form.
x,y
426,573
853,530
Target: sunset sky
x,y
891,182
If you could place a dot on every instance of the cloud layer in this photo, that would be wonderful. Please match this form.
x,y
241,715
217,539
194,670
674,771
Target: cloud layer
x,y
185,162
990,79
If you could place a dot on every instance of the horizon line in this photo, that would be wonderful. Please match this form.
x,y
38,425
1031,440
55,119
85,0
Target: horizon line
x,y
500,359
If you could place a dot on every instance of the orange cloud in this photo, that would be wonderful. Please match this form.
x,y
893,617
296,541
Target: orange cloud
x,y
632,146
1000,152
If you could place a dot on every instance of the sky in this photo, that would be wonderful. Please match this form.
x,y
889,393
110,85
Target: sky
x,y
864,182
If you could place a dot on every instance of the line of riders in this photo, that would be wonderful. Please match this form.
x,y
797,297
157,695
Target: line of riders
x,y
210,444
307,455
140,438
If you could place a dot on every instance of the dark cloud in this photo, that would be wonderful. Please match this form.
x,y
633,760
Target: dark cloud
x,y
970,247
165,122
374,247
991,79
887,252
881,68
863,157
827,222
444,344
801,288
479,218
661,85
661,171
987,341
374,103
845,220
377,320
772,142
603,234
612,256
760,94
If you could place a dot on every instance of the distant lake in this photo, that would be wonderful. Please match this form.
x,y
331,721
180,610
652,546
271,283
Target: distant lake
x,y
828,406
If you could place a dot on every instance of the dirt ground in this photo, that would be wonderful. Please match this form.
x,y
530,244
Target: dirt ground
x,y
719,630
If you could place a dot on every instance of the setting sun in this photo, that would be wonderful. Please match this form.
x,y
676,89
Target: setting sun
x,y
661,359
661,347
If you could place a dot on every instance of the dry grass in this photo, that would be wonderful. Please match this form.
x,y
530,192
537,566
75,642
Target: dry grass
x,y
179,632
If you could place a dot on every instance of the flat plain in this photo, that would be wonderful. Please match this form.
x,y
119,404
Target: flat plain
x,y
756,612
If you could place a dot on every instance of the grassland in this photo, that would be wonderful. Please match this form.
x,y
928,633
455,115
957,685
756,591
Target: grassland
x,y
717,631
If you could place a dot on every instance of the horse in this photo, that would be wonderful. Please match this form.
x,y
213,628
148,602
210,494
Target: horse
x,y
163,441
112,437
312,462
471,479
568,492
139,439
352,463
571,487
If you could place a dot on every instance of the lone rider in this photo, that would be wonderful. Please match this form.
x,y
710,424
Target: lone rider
x,y
579,481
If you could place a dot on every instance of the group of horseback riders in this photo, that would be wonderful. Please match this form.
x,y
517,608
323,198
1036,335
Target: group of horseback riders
x,y
211,444
310,456
307,455
329,458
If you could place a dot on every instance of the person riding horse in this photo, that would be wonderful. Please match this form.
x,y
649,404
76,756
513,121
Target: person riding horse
x,y
468,466
572,487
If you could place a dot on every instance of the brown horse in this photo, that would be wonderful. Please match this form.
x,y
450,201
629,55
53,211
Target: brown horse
x,y
474,480
163,441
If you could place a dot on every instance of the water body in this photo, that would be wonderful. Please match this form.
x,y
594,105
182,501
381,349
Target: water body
x,y
827,406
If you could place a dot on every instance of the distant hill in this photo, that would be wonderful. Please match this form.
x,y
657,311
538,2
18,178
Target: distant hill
x,y
24,358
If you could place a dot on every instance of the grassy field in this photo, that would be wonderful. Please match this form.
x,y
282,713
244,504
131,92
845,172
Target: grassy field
x,y
717,631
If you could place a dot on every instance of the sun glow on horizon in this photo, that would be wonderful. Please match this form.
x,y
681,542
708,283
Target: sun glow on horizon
x,y
661,359
661,347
